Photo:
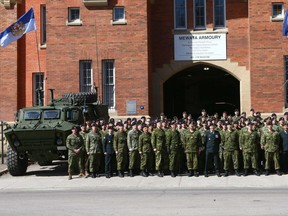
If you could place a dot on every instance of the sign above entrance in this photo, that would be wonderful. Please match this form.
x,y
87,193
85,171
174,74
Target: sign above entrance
x,y
200,47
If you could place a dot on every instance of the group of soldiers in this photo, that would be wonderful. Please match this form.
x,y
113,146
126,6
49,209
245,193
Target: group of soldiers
x,y
226,144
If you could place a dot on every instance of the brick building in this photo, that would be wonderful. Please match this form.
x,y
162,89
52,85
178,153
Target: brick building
x,y
148,56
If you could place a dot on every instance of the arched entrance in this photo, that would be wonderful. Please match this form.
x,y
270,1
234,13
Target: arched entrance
x,y
161,75
201,86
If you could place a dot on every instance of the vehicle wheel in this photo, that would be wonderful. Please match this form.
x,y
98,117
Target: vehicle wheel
x,y
16,165
44,163
80,97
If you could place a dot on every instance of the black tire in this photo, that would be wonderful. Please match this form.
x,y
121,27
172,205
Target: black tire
x,y
80,97
16,166
44,163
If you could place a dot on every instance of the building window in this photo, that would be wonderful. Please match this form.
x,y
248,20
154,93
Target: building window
x,y
38,89
108,83
43,24
286,81
74,16
119,15
86,76
277,11
219,14
199,14
180,21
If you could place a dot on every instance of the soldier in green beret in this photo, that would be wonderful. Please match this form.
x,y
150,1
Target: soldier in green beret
x,y
173,143
75,145
158,144
94,150
145,151
121,150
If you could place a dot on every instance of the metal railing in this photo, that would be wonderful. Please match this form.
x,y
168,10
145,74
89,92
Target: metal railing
x,y
2,125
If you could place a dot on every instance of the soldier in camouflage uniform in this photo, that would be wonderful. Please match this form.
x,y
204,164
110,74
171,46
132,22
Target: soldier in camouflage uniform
x,y
192,145
75,144
270,143
94,150
121,150
173,143
83,156
249,142
230,141
133,143
158,144
145,151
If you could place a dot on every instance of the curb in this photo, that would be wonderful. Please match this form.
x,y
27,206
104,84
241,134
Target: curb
x,y
4,171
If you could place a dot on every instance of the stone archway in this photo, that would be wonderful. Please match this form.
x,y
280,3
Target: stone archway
x,y
160,76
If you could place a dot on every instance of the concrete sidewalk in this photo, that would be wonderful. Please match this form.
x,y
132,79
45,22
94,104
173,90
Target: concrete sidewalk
x,y
3,167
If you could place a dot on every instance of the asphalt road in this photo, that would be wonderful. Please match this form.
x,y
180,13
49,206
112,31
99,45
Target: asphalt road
x,y
145,202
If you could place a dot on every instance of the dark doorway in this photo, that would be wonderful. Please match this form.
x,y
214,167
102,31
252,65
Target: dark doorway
x,y
199,87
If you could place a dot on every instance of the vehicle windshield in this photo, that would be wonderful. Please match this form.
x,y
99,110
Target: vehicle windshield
x,y
51,114
32,115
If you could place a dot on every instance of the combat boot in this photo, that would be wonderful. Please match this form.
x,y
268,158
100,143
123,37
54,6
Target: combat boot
x,y
278,172
190,174
226,173
93,175
237,173
70,176
267,173
131,173
206,174
173,174
120,174
256,172
159,174
196,174
245,172
81,174
218,173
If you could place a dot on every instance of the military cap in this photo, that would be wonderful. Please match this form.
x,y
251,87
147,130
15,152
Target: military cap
x,y
133,123
269,123
236,110
94,124
161,114
281,119
120,124
110,127
128,119
286,113
203,110
251,110
75,127
144,125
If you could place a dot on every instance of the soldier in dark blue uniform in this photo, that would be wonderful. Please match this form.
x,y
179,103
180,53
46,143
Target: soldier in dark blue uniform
x,y
108,151
212,140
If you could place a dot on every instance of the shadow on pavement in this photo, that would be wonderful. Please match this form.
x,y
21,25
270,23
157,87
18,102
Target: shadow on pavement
x,y
55,169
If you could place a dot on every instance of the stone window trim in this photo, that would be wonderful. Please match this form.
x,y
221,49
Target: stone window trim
x,y
277,17
72,21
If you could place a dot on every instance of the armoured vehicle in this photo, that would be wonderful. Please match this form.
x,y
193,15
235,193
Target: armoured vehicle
x,y
39,133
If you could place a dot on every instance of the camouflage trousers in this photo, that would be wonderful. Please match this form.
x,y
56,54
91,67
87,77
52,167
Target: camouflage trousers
x,y
173,160
146,161
250,158
122,160
134,159
94,163
73,163
192,160
159,161
272,156
231,156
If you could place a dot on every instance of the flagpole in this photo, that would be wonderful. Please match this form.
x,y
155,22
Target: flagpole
x,y
97,62
38,55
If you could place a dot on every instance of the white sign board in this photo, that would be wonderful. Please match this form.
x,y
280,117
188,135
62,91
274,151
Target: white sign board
x,y
200,47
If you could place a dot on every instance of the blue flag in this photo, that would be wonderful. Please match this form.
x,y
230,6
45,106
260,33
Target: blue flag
x,y
24,24
285,24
